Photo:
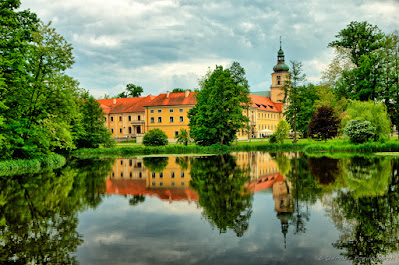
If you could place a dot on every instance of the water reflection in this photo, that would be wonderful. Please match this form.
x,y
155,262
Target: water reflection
x,y
239,208
38,213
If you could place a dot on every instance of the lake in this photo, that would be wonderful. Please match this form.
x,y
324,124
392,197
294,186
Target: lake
x,y
238,208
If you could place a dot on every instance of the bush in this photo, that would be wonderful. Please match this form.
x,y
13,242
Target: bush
x,y
273,138
282,131
155,137
359,131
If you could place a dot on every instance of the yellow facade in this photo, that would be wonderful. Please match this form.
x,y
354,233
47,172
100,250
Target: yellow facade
x,y
125,125
169,119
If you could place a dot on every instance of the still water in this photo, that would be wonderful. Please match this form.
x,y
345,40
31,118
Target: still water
x,y
241,208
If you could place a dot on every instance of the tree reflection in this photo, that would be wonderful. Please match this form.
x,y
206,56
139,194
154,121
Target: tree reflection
x,y
370,231
38,213
220,184
155,164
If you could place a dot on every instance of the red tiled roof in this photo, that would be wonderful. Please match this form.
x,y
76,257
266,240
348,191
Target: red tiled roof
x,y
138,187
264,103
265,182
125,105
175,99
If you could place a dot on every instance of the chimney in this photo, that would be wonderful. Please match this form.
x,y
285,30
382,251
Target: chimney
x,y
167,94
187,93
114,101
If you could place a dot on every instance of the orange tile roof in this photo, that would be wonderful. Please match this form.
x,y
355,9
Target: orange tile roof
x,y
125,105
138,187
264,103
264,182
175,99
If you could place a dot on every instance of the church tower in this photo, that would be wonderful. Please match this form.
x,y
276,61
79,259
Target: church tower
x,y
279,77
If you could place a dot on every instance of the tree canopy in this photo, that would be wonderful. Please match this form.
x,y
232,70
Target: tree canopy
x,y
131,90
221,102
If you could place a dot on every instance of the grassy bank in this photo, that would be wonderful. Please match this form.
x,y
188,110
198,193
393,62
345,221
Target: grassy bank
x,y
307,146
23,166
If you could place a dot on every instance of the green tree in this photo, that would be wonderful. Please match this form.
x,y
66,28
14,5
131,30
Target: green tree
x,y
324,123
371,111
132,90
180,90
362,40
219,112
183,137
90,129
294,91
155,137
282,131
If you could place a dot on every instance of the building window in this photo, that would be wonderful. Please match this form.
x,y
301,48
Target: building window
x,y
120,118
160,184
171,110
172,175
139,129
159,111
120,130
152,120
153,175
153,184
105,118
140,175
180,110
278,82
113,174
121,162
130,118
173,183
121,175
176,133
138,117
160,175
182,175
170,119
112,118
130,130
130,175
139,164
130,162
182,183
152,111
112,130
181,118
159,119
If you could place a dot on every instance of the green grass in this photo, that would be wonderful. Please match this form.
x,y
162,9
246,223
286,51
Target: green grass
x,y
23,166
308,146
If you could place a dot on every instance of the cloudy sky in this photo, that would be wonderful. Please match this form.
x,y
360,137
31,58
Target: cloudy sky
x,y
161,45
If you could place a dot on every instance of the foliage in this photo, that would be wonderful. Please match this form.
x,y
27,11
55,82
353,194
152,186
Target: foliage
x,y
324,123
183,137
90,129
180,90
219,112
38,222
294,93
359,131
220,184
132,90
282,131
155,137
374,112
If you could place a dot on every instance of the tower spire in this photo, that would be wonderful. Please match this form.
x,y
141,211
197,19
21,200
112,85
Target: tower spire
x,y
280,42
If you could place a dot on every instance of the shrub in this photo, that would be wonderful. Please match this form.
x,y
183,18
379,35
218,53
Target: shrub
x,y
374,112
359,131
183,137
155,137
324,123
273,138
282,131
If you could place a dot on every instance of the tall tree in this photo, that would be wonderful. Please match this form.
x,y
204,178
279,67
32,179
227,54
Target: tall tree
x,y
292,87
219,112
132,90
90,129
362,40
324,123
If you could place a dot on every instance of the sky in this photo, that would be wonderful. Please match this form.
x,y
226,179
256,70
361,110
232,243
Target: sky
x,y
166,44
